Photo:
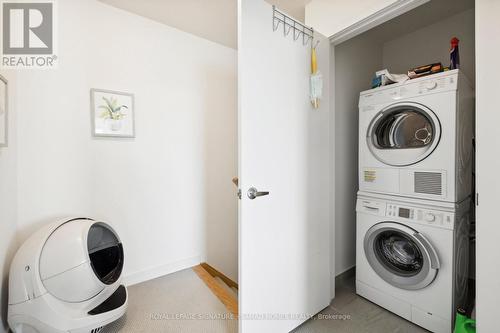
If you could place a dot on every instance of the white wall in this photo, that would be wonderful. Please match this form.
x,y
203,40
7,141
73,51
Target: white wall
x,y
353,74
167,190
54,156
488,163
8,199
432,44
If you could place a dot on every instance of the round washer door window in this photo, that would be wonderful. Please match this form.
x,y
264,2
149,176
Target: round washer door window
x,y
403,134
400,255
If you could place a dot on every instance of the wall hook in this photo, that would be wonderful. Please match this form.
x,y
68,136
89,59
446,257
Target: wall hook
x,y
276,24
305,41
290,23
286,28
296,34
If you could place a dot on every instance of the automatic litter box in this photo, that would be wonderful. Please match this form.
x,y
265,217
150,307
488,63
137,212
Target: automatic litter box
x,y
66,278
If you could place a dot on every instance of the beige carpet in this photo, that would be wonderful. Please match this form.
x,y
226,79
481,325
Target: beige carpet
x,y
173,303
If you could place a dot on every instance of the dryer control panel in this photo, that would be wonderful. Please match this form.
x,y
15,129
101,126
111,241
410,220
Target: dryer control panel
x,y
446,81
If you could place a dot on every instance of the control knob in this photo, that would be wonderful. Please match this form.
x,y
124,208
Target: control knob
x,y
429,217
431,85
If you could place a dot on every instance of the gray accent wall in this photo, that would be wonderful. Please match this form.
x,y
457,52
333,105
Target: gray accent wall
x,y
432,44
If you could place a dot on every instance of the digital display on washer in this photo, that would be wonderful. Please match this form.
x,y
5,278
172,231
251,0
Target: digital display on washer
x,y
404,212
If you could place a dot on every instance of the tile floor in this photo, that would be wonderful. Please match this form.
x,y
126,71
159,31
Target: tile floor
x,y
350,313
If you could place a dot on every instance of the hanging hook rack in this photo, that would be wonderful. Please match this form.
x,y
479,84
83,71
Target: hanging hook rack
x,y
290,24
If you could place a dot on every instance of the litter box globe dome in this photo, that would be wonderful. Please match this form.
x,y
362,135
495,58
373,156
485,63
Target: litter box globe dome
x,y
67,278
80,259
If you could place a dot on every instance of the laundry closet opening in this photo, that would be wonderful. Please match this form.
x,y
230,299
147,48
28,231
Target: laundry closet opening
x,y
419,37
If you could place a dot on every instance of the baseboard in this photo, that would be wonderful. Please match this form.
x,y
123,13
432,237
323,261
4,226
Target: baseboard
x,y
155,272
338,277
348,270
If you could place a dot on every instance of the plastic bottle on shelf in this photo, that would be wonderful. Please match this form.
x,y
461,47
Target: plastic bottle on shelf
x,y
454,55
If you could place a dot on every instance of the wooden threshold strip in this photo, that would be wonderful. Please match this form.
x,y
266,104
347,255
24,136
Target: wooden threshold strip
x,y
222,294
216,273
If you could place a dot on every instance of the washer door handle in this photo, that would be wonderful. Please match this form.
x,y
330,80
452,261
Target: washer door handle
x,y
429,249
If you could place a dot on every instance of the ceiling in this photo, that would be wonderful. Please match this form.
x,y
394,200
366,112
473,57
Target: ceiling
x,y
424,15
294,8
215,20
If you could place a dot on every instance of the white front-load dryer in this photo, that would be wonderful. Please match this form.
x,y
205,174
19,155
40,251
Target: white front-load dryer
x,y
412,257
416,138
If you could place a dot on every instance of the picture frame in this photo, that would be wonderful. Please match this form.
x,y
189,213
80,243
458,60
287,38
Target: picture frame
x,y
113,113
4,111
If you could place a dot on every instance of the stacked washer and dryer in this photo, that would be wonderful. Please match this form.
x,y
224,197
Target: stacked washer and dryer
x,y
413,207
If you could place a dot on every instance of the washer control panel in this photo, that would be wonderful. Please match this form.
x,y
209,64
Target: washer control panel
x,y
420,215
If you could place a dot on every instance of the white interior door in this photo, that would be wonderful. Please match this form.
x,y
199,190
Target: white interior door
x,y
284,252
487,165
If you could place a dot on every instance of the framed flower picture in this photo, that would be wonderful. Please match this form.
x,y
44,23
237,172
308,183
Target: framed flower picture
x,y
112,113
3,111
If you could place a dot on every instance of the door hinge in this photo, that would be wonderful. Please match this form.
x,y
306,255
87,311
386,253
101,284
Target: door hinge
x,y
477,199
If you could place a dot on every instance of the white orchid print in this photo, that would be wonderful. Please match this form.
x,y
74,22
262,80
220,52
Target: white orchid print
x,y
111,109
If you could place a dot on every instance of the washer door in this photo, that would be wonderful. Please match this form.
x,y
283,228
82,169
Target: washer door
x,y
400,255
403,134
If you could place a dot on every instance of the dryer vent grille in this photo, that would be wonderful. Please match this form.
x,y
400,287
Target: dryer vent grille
x,y
429,183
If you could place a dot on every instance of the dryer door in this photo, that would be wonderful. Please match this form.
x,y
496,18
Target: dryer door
x,y
403,134
400,255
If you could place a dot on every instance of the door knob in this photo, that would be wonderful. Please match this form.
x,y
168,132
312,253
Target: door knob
x,y
254,193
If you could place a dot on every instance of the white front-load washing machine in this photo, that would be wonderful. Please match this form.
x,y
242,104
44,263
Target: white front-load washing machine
x,y
412,257
416,138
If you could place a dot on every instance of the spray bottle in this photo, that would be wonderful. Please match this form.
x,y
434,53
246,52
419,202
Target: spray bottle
x,y
454,56
463,324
